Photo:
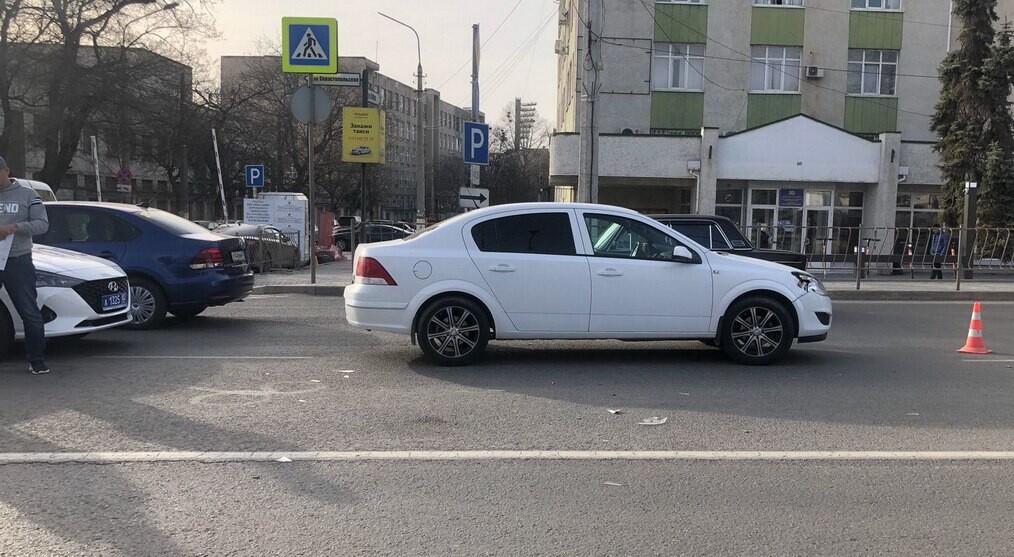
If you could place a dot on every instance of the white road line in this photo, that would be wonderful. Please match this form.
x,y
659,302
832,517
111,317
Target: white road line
x,y
362,456
201,357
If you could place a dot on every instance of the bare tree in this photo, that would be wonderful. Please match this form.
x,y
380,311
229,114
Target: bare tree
x,y
519,163
67,61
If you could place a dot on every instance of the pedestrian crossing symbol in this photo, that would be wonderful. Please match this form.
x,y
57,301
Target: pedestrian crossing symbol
x,y
310,45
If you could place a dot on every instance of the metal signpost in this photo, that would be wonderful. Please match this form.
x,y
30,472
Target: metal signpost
x,y
310,46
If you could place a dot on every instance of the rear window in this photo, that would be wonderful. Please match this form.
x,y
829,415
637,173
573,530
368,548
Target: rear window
x,y
46,195
171,222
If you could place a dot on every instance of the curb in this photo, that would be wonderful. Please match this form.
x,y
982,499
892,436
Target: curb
x,y
838,295
921,296
309,289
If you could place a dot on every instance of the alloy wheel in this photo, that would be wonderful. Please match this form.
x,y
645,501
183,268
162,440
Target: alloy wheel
x,y
757,331
453,332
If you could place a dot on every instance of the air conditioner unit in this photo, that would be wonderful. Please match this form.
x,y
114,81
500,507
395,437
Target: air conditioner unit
x,y
814,72
561,47
629,131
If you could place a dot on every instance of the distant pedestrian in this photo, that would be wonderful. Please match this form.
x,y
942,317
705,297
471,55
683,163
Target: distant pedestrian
x,y
940,241
22,215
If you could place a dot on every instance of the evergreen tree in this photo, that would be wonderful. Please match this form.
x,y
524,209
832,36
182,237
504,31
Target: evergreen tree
x,y
973,117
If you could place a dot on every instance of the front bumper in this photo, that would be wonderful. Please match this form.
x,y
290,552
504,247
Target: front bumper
x,y
815,317
68,314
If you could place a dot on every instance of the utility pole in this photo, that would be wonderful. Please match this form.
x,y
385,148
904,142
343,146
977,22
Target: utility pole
x,y
184,163
588,173
474,172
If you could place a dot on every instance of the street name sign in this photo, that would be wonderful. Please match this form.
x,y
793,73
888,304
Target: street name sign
x,y
339,80
309,45
473,198
476,143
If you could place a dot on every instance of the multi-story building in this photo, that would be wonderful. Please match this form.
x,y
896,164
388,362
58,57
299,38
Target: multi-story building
x,y
392,186
793,113
132,144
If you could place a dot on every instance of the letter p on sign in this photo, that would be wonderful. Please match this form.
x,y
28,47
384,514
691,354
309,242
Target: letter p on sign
x,y
476,143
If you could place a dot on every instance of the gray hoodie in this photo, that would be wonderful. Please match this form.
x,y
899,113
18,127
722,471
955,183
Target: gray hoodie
x,y
20,205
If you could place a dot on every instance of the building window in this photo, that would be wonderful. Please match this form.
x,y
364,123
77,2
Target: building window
x,y
876,4
775,68
872,72
778,2
678,66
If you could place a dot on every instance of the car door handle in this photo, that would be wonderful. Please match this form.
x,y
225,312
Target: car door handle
x,y
502,268
609,272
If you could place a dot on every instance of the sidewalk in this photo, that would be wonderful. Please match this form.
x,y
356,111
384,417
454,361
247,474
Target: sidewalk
x,y
333,277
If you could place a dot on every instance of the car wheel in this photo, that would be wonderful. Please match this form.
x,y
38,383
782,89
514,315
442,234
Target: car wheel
x,y
756,331
342,244
147,304
188,313
453,331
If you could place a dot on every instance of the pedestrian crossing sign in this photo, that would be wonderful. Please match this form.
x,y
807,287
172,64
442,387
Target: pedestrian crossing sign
x,y
309,45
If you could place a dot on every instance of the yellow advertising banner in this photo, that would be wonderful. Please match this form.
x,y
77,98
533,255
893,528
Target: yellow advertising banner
x,y
364,135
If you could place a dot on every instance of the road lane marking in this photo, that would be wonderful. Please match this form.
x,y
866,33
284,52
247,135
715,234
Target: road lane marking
x,y
987,361
202,357
363,456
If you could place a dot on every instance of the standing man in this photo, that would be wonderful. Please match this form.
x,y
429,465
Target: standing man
x,y
939,242
22,215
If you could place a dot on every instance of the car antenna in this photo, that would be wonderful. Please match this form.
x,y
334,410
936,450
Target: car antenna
x,y
145,204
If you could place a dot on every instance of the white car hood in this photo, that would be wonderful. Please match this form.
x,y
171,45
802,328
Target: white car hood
x,y
73,264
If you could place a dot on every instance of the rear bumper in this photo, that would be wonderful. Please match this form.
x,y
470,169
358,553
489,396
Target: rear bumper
x,y
214,288
375,314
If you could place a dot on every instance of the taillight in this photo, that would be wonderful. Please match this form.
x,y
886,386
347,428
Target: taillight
x,y
370,271
208,259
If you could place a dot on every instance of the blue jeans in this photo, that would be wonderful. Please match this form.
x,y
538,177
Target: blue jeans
x,y
19,280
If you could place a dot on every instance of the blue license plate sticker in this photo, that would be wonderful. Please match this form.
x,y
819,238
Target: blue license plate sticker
x,y
113,301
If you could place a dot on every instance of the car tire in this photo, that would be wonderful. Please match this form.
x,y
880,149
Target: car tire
x,y
342,244
189,313
147,304
453,331
757,331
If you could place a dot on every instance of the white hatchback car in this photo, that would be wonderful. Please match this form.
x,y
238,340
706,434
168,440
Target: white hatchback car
x,y
577,271
78,294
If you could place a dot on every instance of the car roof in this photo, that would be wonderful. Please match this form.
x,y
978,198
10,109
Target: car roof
x,y
685,217
104,205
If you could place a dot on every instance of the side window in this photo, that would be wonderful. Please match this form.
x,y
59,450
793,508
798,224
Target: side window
x,y
545,233
76,225
697,231
717,238
621,237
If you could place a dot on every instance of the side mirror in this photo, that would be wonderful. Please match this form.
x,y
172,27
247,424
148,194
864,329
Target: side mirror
x,y
682,254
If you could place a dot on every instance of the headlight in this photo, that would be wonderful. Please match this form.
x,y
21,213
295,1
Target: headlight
x,y
53,280
809,283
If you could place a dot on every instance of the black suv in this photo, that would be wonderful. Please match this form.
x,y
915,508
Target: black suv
x,y
721,234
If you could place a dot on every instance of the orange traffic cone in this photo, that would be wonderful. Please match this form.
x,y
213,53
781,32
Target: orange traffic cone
x,y
974,344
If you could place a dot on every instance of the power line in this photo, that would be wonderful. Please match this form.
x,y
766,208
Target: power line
x,y
490,38
503,71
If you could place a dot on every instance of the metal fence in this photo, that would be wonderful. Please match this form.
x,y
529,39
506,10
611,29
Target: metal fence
x,y
878,252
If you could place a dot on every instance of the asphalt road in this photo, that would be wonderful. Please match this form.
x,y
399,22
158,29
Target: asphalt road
x,y
284,373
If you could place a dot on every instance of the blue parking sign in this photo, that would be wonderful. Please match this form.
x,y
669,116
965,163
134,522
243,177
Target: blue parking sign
x,y
476,143
255,175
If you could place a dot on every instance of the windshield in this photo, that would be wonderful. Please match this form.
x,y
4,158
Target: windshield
x,y
171,222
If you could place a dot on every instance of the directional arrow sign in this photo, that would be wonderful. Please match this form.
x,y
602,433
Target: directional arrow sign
x,y
473,198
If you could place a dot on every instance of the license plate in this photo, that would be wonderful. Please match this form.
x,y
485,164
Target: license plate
x,y
114,301
239,257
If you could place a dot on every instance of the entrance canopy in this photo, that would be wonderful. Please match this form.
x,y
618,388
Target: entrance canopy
x,y
798,149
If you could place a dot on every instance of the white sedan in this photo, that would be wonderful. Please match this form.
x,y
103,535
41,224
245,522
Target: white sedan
x,y
577,271
78,294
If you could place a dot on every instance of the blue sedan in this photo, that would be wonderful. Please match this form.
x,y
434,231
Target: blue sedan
x,y
173,264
